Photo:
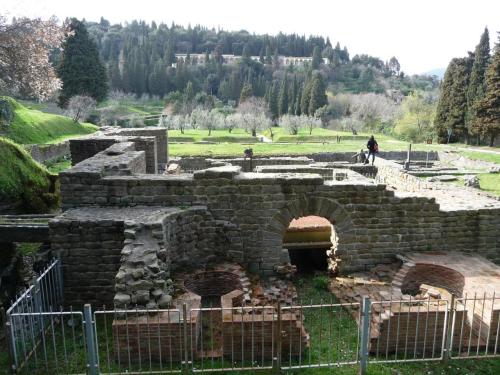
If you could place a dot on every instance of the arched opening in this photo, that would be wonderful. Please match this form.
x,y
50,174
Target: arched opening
x,y
310,241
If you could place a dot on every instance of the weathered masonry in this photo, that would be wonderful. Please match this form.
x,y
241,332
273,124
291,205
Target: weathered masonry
x,y
117,207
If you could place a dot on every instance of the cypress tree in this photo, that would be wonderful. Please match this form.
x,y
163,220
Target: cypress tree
x,y
452,103
476,87
273,100
488,108
283,98
318,96
316,58
306,98
298,101
269,58
292,97
81,70
246,92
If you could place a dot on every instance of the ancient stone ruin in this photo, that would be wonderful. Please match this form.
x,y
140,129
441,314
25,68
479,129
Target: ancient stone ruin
x,y
140,231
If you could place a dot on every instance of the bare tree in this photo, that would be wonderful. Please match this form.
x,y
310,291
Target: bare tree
x,y
25,45
254,117
290,123
80,106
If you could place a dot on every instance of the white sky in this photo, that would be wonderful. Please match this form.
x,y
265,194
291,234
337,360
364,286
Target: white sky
x,y
422,34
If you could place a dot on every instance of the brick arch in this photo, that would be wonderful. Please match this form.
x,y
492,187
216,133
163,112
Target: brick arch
x,y
327,208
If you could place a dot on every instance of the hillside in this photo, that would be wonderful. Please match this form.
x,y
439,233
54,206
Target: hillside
x,y
32,126
25,184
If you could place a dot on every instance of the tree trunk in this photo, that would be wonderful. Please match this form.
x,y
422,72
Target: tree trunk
x,y
209,132
230,130
254,133
492,140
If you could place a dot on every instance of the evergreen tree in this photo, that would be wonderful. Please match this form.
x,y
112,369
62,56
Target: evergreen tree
x,y
269,58
246,92
283,98
298,101
276,60
476,87
292,97
316,58
261,56
273,101
169,56
81,70
305,98
487,120
318,95
452,103
115,77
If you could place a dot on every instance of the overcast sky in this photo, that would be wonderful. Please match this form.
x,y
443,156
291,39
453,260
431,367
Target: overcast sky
x,y
422,34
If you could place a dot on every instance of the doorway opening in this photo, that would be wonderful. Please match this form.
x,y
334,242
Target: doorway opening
x,y
309,241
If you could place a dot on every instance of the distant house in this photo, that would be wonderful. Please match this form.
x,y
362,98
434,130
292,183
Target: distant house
x,y
199,58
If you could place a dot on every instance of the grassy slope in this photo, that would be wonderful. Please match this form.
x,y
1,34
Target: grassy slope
x,y
24,181
33,126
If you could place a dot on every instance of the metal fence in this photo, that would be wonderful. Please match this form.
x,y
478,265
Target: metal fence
x,y
214,338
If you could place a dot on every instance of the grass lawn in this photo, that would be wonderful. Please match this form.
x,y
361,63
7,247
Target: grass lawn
x,y
33,126
275,149
485,156
198,135
318,135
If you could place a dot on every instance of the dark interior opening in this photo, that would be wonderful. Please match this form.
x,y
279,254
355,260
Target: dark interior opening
x,y
309,260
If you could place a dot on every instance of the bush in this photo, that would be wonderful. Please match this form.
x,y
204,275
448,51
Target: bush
x,y
321,282
6,113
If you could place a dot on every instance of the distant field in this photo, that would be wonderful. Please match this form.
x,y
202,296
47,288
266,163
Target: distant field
x,y
318,135
274,149
199,135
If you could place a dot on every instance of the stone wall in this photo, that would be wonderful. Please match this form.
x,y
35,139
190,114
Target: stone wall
x,y
90,248
153,141
43,153
389,155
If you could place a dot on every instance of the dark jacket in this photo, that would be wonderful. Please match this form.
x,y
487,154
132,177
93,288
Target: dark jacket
x,y
372,145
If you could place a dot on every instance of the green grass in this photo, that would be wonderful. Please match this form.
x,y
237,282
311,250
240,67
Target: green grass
x,y
25,182
33,126
276,149
57,166
484,156
318,135
198,135
490,182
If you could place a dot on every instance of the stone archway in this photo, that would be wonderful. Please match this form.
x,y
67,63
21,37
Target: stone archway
x,y
311,206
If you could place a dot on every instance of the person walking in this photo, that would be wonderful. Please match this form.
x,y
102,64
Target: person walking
x,y
372,149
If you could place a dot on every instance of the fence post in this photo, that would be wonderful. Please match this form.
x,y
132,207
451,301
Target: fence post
x,y
450,323
185,365
60,282
9,338
90,340
365,335
278,336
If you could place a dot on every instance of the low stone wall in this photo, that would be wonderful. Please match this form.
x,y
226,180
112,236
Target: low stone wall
x,y
389,155
393,174
44,153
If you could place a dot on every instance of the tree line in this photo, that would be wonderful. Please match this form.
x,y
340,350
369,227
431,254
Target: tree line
x,y
469,103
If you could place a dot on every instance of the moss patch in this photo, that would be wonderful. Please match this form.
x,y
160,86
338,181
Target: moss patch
x,y
25,183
